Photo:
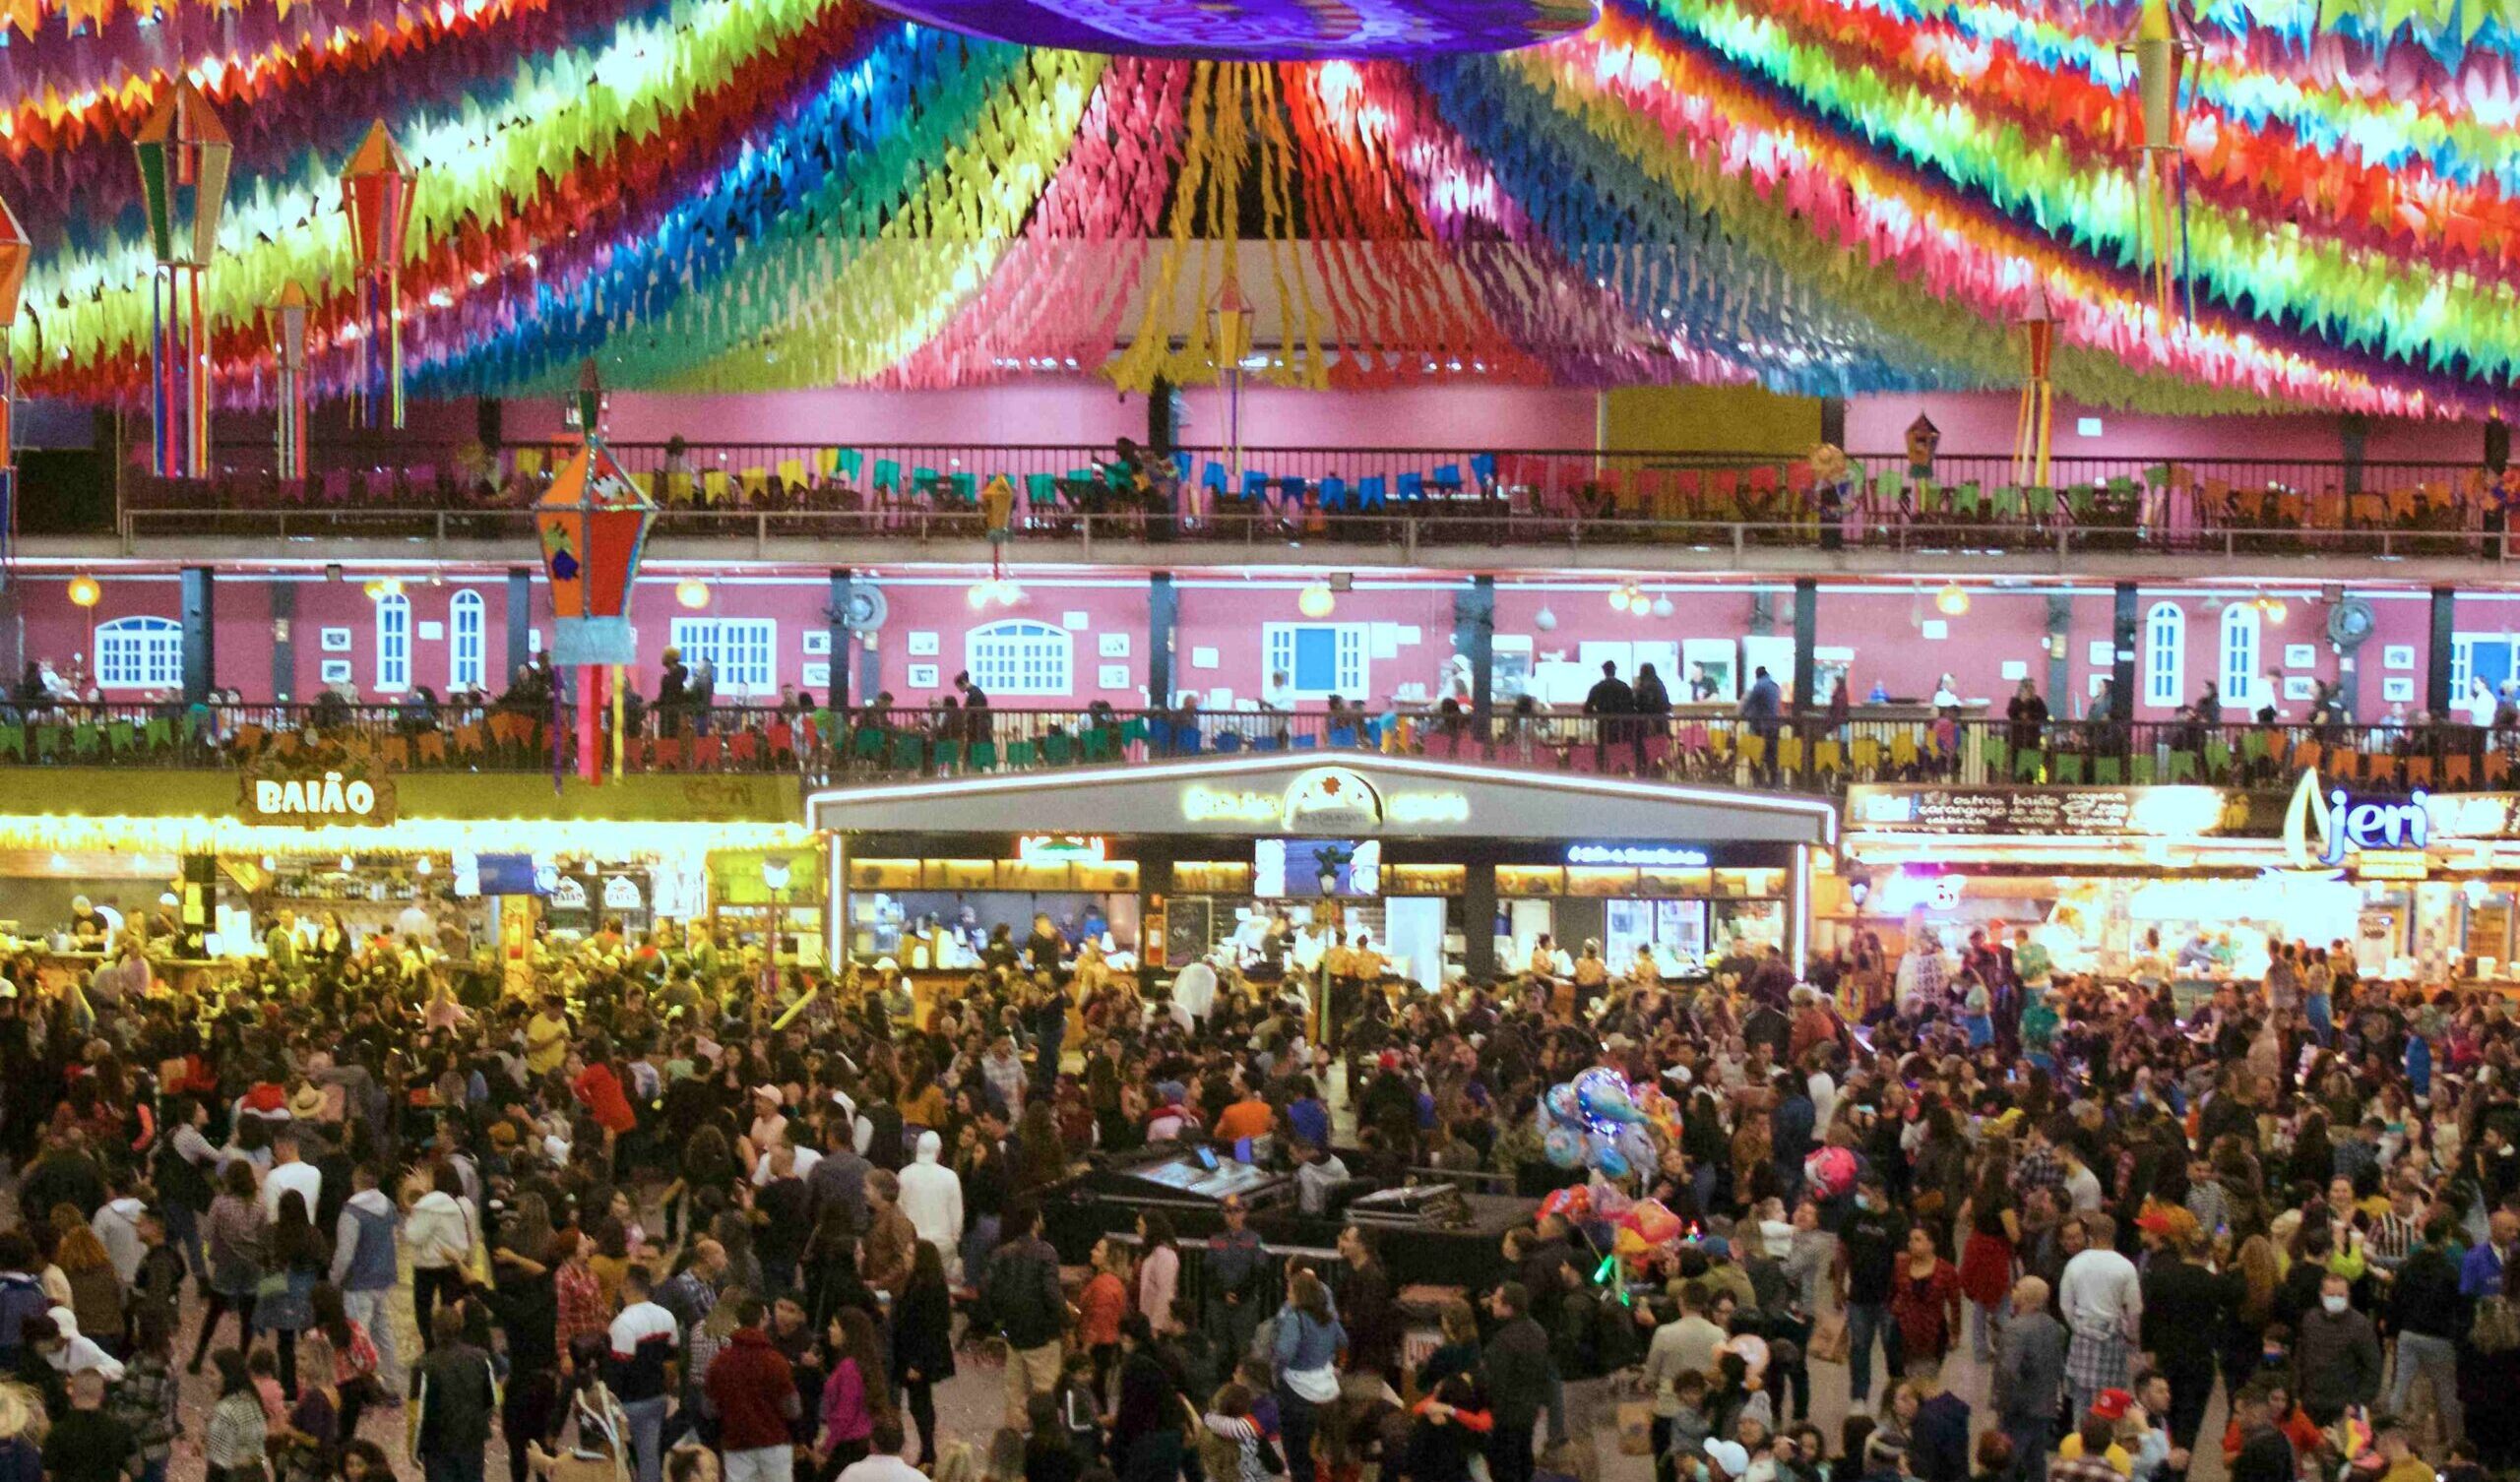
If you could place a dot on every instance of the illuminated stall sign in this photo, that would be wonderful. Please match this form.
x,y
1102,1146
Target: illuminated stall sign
x,y
1646,856
276,795
1324,798
2324,827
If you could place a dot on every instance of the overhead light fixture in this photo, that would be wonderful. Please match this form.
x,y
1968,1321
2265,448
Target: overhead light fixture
x,y
384,587
998,589
1663,607
691,592
1317,600
1951,602
83,590
1545,620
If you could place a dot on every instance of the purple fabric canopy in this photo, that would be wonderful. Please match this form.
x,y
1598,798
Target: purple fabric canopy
x,y
1261,29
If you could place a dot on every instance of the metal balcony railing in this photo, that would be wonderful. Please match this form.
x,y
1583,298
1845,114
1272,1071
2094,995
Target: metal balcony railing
x,y
1698,745
1405,497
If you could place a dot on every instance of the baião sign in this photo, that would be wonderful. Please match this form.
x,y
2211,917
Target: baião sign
x,y
314,798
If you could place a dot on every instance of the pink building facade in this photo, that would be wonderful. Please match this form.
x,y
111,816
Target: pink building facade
x,y
1078,637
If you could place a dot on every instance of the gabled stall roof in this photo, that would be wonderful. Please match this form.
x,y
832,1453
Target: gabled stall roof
x,y
1326,794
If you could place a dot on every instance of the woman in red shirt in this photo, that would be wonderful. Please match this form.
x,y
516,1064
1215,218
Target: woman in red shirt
x,y
1924,1298
1099,1310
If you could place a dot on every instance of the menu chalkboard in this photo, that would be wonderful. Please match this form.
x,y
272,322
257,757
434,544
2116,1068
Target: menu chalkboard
x,y
2053,811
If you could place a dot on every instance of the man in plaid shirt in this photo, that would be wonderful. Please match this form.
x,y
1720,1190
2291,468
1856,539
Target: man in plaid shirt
x,y
2040,1168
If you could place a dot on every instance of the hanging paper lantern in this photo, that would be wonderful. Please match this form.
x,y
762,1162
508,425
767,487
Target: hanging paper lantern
x,y
183,152
378,190
593,523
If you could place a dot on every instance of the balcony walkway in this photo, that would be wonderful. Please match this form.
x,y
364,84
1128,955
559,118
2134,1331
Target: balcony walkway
x,y
1898,744
1374,508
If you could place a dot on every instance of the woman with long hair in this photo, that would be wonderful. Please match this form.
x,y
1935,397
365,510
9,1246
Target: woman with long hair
x,y
239,1430
856,1390
1306,1350
354,1357
1158,1270
1993,1223
237,1235
298,1257
2252,1284
96,1287
923,1343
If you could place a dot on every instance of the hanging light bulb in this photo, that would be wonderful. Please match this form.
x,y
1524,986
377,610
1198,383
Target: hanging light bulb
x,y
1951,602
1618,599
2275,611
1317,600
1545,620
691,592
83,590
1663,607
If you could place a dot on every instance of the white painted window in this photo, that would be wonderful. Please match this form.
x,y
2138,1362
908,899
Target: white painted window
x,y
743,652
2165,656
140,654
393,643
1319,660
2240,666
1019,656
467,656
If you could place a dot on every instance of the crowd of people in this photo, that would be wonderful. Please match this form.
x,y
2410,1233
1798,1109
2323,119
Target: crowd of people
x,y
664,1216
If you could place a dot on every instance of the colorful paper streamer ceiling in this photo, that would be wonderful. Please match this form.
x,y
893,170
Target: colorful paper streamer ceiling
x,y
1820,195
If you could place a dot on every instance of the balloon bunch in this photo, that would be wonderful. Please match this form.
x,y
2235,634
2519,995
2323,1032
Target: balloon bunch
x,y
1593,1122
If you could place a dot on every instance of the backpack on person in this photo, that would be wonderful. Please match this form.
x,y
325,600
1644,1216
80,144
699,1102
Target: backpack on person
x,y
2496,1327
20,1297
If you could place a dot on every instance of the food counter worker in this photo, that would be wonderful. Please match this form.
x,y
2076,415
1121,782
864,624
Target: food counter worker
x,y
88,926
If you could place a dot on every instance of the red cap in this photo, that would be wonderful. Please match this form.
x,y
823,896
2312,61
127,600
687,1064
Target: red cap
x,y
2112,1404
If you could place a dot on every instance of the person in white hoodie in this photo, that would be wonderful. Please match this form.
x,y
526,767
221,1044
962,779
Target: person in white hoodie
x,y
79,1353
117,1227
440,1234
932,1198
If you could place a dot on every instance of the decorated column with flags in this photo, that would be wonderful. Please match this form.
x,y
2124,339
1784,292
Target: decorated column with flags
x,y
592,521
287,323
2038,398
378,187
183,154
15,250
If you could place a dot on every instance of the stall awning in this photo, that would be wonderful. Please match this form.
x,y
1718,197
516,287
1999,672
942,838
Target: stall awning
x,y
1337,794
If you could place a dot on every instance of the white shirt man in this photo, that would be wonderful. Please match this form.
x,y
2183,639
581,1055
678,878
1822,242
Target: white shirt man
x,y
1194,990
287,1173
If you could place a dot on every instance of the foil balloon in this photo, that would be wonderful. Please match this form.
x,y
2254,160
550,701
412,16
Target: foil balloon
x,y
1573,1202
1612,1203
1601,1152
1830,1171
1559,1104
1629,1244
1652,1221
1603,1095
1636,1145
1563,1146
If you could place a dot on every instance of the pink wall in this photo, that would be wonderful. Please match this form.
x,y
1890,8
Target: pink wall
x,y
1984,422
1082,410
1408,627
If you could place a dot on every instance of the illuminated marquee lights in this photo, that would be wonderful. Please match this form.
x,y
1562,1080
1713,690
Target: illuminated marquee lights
x,y
1663,855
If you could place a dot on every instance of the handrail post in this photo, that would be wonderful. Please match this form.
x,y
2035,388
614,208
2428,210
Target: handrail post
x,y
761,532
1408,536
1740,541
1085,534
440,522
